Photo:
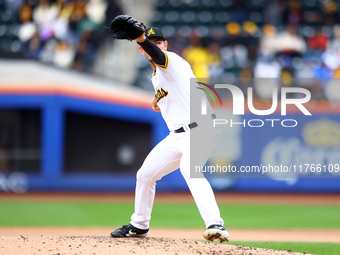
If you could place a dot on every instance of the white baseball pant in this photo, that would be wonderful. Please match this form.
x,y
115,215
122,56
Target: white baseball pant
x,y
170,154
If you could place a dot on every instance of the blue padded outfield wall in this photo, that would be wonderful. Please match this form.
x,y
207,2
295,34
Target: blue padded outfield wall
x,y
263,145
52,176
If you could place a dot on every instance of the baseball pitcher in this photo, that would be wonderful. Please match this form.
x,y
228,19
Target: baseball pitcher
x,y
171,82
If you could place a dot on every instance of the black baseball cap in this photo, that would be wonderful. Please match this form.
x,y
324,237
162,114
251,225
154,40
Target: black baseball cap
x,y
154,32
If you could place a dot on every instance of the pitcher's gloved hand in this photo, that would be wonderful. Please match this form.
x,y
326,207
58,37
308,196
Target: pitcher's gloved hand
x,y
126,27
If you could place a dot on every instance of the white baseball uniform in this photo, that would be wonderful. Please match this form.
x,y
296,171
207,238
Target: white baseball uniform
x,y
172,87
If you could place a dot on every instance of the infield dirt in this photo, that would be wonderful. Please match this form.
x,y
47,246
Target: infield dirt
x,y
104,245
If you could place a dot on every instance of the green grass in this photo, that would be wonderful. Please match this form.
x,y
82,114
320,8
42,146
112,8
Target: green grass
x,y
64,214
253,216
84,214
167,215
311,248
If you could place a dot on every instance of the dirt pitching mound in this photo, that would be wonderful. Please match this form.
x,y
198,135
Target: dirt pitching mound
x,y
103,245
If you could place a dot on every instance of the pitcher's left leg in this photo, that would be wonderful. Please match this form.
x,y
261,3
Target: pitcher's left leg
x,y
205,200
203,195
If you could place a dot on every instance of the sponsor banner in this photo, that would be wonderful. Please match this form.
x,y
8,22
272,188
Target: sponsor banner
x,y
310,150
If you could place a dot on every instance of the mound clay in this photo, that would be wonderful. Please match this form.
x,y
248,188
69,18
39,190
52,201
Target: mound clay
x,y
104,245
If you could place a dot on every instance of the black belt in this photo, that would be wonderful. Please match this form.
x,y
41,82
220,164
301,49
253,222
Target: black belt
x,y
191,125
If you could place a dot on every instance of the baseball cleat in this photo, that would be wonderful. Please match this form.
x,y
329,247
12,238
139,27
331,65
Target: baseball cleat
x,y
216,232
129,231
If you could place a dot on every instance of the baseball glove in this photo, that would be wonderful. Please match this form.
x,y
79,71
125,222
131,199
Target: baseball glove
x,y
126,27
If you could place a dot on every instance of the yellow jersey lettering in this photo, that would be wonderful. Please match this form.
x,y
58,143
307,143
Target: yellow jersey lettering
x,y
161,93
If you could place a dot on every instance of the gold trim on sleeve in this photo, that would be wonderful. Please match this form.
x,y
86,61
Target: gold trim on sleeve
x,y
165,66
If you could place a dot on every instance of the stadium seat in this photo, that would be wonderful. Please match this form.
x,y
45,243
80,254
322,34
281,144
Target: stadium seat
x,y
171,17
8,17
306,31
160,4
256,17
16,46
205,17
3,30
222,17
224,4
156,17
184,31
169,31
205,4
175,4
202,31
188,17
193,5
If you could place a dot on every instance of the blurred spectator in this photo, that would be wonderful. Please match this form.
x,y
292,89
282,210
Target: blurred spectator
x,y
286,45
304,73
332,90
268,43
331,59
27,31
295,17
251,41
273,39
239,14
289,42
44,16
218,36
215,68
334,44
197,56
65,33
321,70
48,50
266,73
85,52
78,12
331,12
234,56
64,55
318,42
25,12
244,39
273,12
112,10
33,46
234,29
286,77
95,10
